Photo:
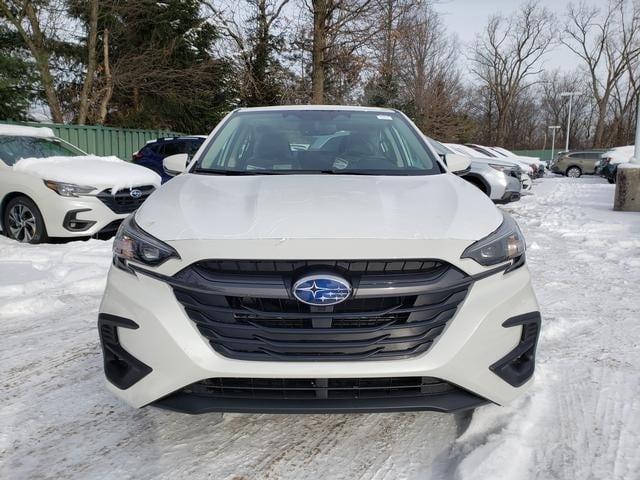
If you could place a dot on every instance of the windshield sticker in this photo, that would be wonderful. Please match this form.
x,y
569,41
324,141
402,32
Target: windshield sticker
x,y
384,117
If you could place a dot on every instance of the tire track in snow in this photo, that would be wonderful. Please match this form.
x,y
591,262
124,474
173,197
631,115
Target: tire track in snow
x,y
582,416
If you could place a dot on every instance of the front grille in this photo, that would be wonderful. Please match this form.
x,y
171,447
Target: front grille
x,y
515,172
122,201
319,388
352,267
251,315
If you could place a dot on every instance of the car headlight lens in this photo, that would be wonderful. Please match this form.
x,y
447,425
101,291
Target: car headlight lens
x,y
500,168
506,243
68,189
134,244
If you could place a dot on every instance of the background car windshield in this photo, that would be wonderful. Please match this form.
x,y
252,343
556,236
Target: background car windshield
x,y
318,141
13,149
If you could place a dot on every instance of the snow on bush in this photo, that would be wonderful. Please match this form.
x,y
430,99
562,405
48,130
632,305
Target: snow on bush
x,y
89,170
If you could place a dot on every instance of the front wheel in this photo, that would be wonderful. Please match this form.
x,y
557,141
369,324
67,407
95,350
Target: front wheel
x,y
23,221
574,172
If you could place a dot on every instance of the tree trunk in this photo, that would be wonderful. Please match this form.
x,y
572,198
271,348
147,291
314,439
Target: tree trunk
x,y
106,98
598,135
91,63
320,12
37,46
259,90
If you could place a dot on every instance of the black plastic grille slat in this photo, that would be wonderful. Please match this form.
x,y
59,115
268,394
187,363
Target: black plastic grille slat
x,y
313,388
290,266
284,329
122,201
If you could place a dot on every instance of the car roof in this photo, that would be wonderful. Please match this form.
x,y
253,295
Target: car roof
x,y
317,107
23,131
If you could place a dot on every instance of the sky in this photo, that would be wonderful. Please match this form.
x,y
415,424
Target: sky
x,y
467,18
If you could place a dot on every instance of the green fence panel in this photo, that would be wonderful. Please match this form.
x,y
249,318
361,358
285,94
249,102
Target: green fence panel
x,y
541,154
98,140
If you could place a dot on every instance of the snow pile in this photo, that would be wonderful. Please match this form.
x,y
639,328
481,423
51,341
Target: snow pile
x,y
620,154
22,131
91,170
581,418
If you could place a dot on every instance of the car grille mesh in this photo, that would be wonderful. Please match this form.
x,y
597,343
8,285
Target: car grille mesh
x,y
360,328
122,201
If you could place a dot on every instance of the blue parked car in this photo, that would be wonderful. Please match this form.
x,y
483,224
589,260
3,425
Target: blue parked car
x,y
152,154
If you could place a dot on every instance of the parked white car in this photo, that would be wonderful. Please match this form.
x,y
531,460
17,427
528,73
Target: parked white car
x,y
531,165
283,274
540,164
499,180
526,170
49,188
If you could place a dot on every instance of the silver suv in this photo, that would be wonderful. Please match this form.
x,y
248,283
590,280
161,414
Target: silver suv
x,y
576,163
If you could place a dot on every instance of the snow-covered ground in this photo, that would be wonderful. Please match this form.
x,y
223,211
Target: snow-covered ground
x,y
580,420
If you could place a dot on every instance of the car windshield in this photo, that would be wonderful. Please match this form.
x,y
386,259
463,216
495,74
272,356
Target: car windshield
x,y
317,142
13,148
439,147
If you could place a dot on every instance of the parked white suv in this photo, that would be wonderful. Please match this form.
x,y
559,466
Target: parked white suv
x,y
285,274
499,180
49,188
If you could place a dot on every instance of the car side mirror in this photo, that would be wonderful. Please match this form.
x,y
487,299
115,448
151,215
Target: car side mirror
x,y
175,164
457,164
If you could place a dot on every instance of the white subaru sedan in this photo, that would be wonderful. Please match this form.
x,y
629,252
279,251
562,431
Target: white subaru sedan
x,y
318,259
49,188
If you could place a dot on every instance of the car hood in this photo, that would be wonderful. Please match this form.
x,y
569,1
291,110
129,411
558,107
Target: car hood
x,y
100,172
318,207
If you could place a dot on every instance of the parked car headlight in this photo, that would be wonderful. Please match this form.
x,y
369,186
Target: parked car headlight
x,y
68,189
506,243
500,168
134,244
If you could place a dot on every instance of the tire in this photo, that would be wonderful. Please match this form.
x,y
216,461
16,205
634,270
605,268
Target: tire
x,y
611,180
22,221
573,172
477,183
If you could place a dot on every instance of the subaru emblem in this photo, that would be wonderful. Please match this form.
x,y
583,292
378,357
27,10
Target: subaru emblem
x,y
135,193
322,290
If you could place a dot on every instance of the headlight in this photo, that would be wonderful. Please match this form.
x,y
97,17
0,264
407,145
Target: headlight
x,y
506,243
68,189
134,244
500,168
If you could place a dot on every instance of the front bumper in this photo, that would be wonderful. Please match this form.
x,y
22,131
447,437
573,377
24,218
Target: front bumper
x,y
177,355
78,216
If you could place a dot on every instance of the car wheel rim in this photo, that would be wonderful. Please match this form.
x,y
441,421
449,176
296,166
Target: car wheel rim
x,y
573,173
22,223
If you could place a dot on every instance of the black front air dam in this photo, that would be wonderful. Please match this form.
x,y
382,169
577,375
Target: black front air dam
x,y
518,365
120,367
454,401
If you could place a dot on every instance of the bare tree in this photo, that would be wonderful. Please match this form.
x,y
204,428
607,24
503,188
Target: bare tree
x,y
608,42
506,58
427,68
554,108
92,42
256,44
340,28
25,17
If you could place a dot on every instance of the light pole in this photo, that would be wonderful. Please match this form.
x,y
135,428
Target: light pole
x,y
636,147
553,138
570,95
